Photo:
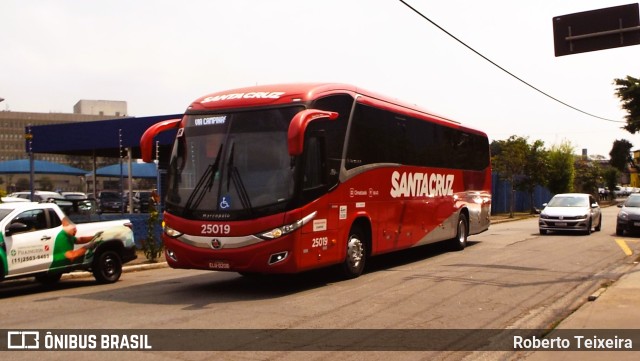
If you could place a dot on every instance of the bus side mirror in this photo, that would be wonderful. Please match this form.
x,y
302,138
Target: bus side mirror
x,y
146,142
299,125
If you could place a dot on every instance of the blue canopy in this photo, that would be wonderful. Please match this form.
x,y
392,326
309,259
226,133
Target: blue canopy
x,y
21,166
104,138
138,170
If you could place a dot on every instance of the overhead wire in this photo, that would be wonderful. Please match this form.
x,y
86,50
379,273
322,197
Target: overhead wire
x,y
505,70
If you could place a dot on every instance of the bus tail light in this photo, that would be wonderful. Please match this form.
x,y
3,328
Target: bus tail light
x,y
277,257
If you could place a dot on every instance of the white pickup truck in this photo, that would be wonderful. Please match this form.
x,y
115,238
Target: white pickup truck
x,y
38,239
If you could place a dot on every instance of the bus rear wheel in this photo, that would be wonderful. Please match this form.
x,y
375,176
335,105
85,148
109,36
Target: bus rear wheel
x,y
354,262
459,242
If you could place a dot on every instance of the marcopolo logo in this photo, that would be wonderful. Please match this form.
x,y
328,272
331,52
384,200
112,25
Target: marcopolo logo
x,y
409,184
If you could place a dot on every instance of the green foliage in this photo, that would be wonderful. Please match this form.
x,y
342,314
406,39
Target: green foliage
x,y
45,184
150,246
620,154
522,164
561,168
587,176
23,184
611,176
628,90
536,169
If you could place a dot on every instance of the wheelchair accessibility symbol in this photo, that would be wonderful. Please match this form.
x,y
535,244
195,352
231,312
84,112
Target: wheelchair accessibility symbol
x,y
224,204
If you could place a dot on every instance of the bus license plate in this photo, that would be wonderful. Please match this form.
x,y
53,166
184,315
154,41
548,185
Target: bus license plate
x,y
219,265
561,224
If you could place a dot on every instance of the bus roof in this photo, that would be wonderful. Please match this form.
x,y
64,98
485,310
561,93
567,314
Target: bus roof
x,y
280,94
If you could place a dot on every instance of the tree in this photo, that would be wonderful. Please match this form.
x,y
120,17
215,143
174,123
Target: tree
x,y
561,168
510,162
628,90
23,184
535,170
611,176
588,173
620,155
45,184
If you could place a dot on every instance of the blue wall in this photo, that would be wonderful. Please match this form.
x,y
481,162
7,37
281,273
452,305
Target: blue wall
x,y
501,198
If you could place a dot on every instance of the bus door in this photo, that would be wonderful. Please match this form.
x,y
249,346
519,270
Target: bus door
x,y
319,240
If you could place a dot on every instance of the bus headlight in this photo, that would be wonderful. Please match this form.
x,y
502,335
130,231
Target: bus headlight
x,y
172,232
286,229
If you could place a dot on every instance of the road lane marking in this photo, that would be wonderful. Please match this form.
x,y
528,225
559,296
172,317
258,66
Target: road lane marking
x,y
623,245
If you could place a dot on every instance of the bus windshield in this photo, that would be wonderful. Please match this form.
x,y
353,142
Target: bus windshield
x,y
227,165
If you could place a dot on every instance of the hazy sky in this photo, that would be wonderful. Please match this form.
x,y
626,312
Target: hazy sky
x,y
161,55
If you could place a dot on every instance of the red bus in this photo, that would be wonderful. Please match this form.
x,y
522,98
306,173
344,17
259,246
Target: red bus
x,y
288,178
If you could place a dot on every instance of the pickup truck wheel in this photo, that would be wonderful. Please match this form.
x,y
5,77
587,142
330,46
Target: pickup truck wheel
x,y
107,267
48,279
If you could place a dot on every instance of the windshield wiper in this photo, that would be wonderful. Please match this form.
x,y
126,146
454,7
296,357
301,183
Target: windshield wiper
x,y
204,185
234,175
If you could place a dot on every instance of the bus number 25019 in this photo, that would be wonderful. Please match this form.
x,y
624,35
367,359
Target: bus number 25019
x,y
215,229
319,242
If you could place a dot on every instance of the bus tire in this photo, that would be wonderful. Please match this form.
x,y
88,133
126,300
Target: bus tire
x,y
354,262
107,267
459,242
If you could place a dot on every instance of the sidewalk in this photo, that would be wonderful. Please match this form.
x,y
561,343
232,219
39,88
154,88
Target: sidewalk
x,y
615,308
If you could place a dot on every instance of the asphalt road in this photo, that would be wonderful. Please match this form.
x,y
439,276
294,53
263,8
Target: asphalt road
x,y
508,277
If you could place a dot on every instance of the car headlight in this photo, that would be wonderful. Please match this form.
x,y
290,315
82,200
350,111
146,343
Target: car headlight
x,y
286,229
543,216
623,215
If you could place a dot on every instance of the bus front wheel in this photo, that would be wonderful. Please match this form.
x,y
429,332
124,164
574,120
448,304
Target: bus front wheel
x,y
356,254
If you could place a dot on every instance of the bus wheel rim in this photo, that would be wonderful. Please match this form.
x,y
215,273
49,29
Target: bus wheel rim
x,y
354,252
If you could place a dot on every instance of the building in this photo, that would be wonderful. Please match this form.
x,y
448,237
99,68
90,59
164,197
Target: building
x,y
13,129
102,108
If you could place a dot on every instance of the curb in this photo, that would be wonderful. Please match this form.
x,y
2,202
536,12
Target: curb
x,y
125,269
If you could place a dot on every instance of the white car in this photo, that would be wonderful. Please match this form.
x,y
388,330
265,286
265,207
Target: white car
x,y
45,196
13,199
571,212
